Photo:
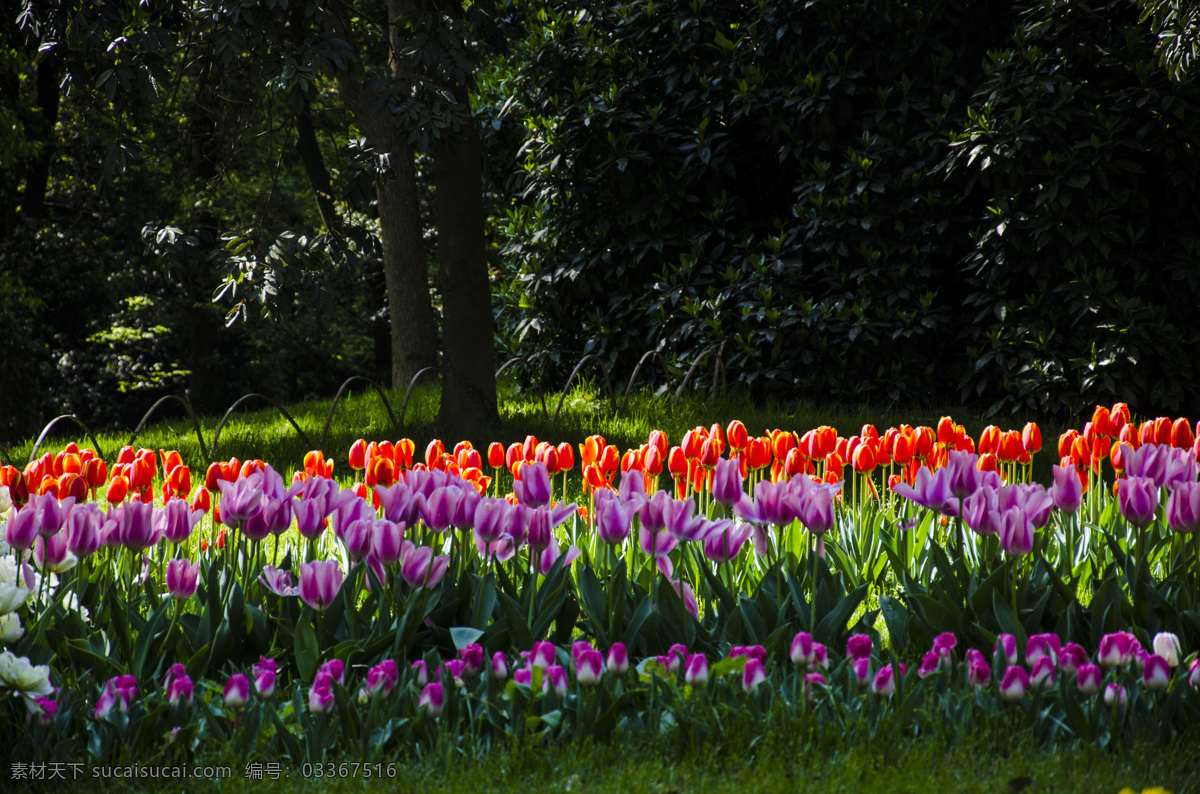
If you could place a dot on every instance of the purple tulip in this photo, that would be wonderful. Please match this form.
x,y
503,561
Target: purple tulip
x,y
183,577
278,581
588,667
652,514
237,691
137,526
550,555
357,538
540,536
499,666
50,553
554,677
683,525
884,683
241,499
1089,678
1007,645
1041,673
1156,675
816,510
533,489
23,525
265,672
981,512
1032,499
320,582
1183,508
422,569
859,646
310,518
1015,682
695,670
613,517
617,661
1067,490
727,482
175,520
930,663
726,543
489,519
83,529
1114,694
753,675
1016,533
803,652
440,507
930,489
1194,674
1137,498
978,671
632,489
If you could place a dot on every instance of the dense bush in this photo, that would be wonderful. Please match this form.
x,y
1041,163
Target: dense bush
x,y
824,191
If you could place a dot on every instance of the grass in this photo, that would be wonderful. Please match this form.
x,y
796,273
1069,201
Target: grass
x,y
785,760
257,430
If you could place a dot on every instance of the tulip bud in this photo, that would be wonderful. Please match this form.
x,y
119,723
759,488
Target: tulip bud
x,y
1089,678
1166,645
753,675
1015,682
499,666
237,691
617,662
1156,675
1114,693
695,671
884,683
588,667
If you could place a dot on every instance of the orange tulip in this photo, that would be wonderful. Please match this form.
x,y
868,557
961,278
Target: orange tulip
x,y
590,449
1162,430
565,457
692,440
782,442
71,484
1065,442
1182,436
95,472
404,453
434,452
495,454
923,441
736,434
945,430
125,455
1119,416
652,462
118,489
902,453
1102,422
631,461
677,462
1031,438
358,455
987,462
202,501
468,458
610,460
864,459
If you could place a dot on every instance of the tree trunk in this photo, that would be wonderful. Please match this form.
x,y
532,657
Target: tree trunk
x,y
468,356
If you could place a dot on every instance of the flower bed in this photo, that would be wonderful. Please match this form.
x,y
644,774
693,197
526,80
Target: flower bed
x,y
886,581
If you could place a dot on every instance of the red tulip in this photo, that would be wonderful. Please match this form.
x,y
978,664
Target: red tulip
x,y
736,434
1182,436
358,455
566,456
495,454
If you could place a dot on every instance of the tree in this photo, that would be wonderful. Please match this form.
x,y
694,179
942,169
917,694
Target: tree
x,y
1177,25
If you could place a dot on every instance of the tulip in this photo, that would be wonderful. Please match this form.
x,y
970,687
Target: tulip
x,y
336,669
554,677
422,672
617,661
1041,645
588,667
278,581
1137,498
1072,658
265,672
499,666
884,683
1183,508
1117,648
180,689
524,676
1041,674
727,482
136,528
811,683
1006,644
749,651
930,663
1114,693
357,537
533,489
52,554
237,691
978,671
320,696
543,655
695,670
613,517
1015,682
859,646
1194,674
183,577
82,528
753,675
320,582
382,678
1089,678
472,656
1016,533
1067,490
1156,675
1167,646
802,650
422,569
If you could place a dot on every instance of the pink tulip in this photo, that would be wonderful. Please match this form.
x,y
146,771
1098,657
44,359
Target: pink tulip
x,y
820,656
422,672
1041,674
676,655
237,691
1041,645
183,577
945,642
1156,675
320,582
543,655
1006,644
382,678
930,663
695,670
455,668
753,675
524,676
180,689
617,662
1114,693
813,681
555,676
1072,657
1194,674
1117,649
499,666
749,651
1015,682
588,667
803,652
472,656
335,668
320,696
1089,678
884,683
978,671
859,646
265,673
862,672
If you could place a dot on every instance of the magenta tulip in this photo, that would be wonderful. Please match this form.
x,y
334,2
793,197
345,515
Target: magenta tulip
x,y
884,683
237,691
978,671
813,682
542,655
320,696
1114,694
803,652
589,666
617,662
320,582
265,672
1006,644
472,656
1072,657
695,670
499,666
554,677
1015,682
180,689
381,679
1041,674
859,646
422,672
1041,645
1089,678
1156,675
753,675
1117,649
